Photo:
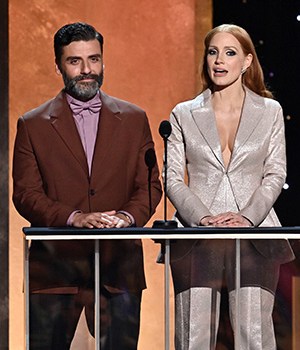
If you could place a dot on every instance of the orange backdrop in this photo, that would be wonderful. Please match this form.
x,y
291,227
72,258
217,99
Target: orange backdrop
x,y
151,55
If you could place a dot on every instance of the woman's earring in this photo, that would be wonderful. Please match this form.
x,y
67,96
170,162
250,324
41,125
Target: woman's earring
x,y
243,70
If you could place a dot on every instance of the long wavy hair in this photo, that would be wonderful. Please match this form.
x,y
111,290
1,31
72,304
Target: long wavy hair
x,y
253,78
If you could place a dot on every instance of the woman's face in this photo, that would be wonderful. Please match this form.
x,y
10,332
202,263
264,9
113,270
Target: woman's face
x,y
226,60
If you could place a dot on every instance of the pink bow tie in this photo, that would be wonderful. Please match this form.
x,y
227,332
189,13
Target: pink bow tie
x,y
78,106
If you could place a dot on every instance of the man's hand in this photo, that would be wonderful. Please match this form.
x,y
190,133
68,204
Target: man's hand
x,y
107,219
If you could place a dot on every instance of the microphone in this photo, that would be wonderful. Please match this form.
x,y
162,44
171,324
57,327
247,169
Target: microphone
x,y
150,160
165,130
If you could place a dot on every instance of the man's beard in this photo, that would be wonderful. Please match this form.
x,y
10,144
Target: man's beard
x,y
83,91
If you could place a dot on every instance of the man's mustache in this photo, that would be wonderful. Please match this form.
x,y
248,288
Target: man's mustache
x,y
86,76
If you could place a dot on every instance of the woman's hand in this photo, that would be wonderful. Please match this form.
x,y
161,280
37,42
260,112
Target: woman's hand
x,y
228,219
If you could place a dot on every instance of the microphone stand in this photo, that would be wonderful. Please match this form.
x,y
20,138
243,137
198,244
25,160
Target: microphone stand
x,y
150,160
165,130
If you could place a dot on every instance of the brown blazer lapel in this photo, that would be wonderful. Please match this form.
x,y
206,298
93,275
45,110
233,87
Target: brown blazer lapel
x,y
109,121
63,122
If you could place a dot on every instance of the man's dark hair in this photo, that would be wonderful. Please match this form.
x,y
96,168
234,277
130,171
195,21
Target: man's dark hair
x,y
74,32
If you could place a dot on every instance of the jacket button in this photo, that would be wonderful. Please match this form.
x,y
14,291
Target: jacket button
x,y
92,192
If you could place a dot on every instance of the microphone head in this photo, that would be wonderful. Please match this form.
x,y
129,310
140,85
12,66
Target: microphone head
x,y
150,158
165,129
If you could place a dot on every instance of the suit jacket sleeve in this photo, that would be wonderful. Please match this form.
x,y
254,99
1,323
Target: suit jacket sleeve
x,y
190,207
273,177
29,193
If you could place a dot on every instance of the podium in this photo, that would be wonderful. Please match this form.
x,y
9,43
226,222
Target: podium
x,y
158,235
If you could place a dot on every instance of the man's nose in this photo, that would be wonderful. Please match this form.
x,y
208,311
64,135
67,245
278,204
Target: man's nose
x,y
85,67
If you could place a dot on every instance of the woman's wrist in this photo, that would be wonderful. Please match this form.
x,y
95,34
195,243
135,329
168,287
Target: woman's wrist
x,y
205,221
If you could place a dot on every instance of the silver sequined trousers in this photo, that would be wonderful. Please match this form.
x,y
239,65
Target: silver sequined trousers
x,y
197,317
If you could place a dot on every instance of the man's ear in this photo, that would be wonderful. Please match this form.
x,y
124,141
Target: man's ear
x,y
57,70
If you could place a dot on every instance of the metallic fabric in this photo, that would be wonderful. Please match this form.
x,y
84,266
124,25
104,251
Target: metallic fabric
x,y
257,169
256,330
196,321
197,317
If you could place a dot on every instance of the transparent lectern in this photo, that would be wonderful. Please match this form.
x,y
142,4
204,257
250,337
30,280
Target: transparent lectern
x,y
169,237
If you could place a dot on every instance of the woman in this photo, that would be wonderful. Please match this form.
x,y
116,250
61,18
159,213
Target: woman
x,y
230,143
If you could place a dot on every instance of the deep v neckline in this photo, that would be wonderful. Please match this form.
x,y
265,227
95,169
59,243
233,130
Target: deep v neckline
x,y
230,141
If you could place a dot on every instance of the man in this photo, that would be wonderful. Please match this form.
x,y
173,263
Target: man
x,y
79,160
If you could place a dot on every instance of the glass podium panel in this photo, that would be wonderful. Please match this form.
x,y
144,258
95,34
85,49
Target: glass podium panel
x,y
218,286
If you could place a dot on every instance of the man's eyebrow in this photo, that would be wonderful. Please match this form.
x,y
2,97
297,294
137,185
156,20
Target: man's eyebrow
x,y
96,55
69,58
